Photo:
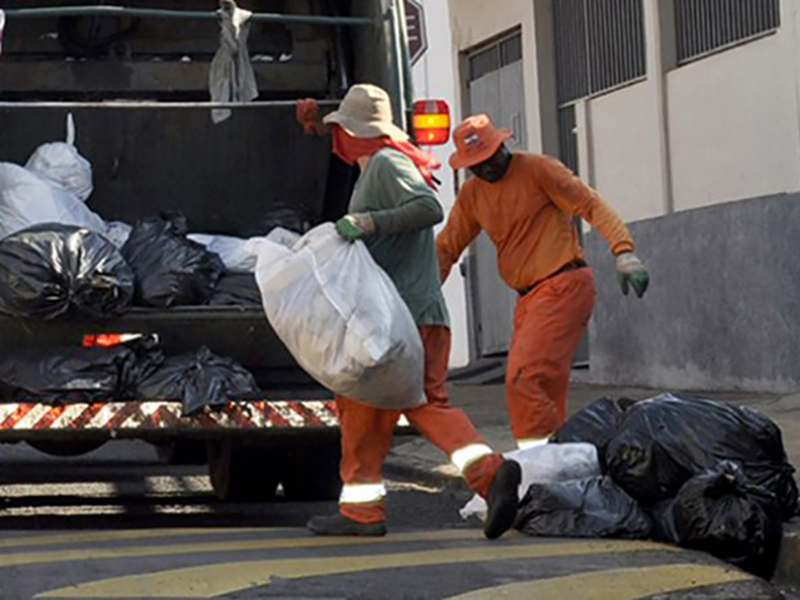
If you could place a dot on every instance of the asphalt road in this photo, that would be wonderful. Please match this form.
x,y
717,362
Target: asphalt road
x,y
119,524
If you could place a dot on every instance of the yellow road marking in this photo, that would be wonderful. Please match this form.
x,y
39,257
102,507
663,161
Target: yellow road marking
x,y
620,584
18,559
134,534
208,581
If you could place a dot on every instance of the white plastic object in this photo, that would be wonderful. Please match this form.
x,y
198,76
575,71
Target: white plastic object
x,y
62,164
27,200
230,249
341,318
544,464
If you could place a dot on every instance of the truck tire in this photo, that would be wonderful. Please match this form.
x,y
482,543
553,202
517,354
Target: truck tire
x,y
240,473
312,472
66,448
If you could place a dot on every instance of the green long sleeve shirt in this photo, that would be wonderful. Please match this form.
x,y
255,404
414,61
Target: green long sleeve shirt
x,y
405,210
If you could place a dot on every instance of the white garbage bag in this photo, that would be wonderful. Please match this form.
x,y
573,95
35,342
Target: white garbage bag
x,y
548,463
26,200
341,317
230,249
118,232
61,163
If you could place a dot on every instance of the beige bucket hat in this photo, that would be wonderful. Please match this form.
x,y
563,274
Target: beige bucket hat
x,y
366,112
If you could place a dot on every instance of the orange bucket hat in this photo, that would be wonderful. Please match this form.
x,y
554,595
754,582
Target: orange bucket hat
x,y
476,140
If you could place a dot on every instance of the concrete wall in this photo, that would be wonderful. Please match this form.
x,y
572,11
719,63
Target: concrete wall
x,y
733,126
723,310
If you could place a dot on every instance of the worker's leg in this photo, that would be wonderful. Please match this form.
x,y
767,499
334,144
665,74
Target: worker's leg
x,y
451,431
366,439
447,427
548,325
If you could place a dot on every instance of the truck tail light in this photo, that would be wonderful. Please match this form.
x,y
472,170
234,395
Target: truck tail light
x,y
431,122
107,340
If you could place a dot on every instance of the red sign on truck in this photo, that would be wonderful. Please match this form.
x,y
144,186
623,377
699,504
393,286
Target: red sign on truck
x,y
417,34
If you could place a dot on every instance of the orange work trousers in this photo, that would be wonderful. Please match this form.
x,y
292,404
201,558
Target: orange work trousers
x,y
548,324
367,431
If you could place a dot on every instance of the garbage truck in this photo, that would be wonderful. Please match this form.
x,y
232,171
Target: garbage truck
x,y
136,81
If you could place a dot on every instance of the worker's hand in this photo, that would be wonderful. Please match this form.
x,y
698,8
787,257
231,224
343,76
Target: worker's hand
x,y
354,227
308,115
631,272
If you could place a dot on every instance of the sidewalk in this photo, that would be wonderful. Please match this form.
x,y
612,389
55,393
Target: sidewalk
x,y
485,405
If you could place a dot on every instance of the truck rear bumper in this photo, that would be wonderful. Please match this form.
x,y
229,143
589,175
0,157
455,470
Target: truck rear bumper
x,y
152,420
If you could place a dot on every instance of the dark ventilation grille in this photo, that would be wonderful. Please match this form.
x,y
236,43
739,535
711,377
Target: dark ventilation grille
x,y
599,45
706,25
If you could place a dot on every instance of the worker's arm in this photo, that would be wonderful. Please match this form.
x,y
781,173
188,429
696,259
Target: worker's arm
x,y
411,202
458,233
576,198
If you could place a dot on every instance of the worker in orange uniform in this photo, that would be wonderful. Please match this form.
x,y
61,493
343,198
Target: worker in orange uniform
x,y
393,210
526,204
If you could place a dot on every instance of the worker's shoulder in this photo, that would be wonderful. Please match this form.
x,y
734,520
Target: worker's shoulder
x,y
391,158
534,160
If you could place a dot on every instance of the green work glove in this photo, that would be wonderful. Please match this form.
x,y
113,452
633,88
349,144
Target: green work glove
x,y
631,272
355,227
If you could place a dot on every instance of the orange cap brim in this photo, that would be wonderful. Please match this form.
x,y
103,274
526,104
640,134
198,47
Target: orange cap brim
x,y
464,160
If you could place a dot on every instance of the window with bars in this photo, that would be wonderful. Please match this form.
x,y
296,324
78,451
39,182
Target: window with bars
x,y
599,45
703,26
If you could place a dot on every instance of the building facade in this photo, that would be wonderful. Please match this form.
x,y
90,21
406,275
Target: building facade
x,y
685,116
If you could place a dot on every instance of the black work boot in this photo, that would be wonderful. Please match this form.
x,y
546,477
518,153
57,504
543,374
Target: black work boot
x,y
339,525
503,500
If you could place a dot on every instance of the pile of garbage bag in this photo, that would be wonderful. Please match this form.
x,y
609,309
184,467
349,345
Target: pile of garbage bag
x,y
171,267
702,474
133,370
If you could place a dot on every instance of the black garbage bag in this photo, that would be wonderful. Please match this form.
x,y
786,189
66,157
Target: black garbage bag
x,y
596,424
236,289
291,216
77,374
664,441
49,271
198,379
171,270
594,507
721,513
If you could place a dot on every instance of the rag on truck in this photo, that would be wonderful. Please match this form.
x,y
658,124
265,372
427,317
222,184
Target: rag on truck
x,y
171,270
341,318
721,513
49,271
664,441
198,379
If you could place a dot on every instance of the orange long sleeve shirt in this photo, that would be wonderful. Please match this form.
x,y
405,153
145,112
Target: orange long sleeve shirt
x,y
528,215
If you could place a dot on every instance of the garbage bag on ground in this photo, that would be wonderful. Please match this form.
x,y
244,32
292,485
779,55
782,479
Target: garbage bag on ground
x,y
594,507
27,200
117,232
358,337
721,513
74,373
544,464
596,424
60,163
170,269
230,250
236,289
50,270
666,440
198,379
